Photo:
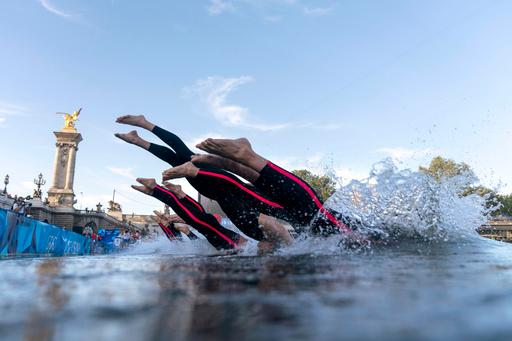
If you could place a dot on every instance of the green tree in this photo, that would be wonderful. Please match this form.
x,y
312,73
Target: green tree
x,y
445,168
441,168
506,205
323,185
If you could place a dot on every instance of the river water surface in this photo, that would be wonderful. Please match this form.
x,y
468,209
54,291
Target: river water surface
x,y
446,283
413,290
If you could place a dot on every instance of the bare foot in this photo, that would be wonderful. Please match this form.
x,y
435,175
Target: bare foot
x,y
176,219
237,149
182,228
210,160
131,137
186,170
176,189
143,189
160,217
133,120
224,163
148,182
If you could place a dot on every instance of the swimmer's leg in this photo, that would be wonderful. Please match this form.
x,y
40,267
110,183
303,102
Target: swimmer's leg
x,y
295,194
183,153
173,141
238,150
193,214
163,153
172,195
223,163
170,232
186,170
240,203
183,228
165,225
133,138
136,120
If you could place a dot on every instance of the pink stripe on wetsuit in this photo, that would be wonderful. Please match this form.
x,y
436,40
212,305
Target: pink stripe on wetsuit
x,y
167,231
242,187
294,194
195,219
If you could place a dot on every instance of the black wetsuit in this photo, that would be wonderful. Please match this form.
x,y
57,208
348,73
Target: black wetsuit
x,y
170,231
173,234
192,236
299,200
241,202
194,215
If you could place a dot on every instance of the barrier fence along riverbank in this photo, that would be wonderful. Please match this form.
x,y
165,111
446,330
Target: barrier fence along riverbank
x,y
21,235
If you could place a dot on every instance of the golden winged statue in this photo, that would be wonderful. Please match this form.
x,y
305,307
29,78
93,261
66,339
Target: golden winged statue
x,y
70,119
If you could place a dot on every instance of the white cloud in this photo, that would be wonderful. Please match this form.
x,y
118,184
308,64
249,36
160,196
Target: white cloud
x,y
124,172
11,109
213,92
52,9
194,141
314,163
320,164
217,7
346,174
317,11
401,154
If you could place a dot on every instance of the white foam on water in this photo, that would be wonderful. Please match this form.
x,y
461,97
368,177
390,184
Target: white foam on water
x,y
392,204
404,203
162,245
200,246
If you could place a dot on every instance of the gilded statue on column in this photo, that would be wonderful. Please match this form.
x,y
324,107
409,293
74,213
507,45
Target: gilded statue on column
x,y
70,119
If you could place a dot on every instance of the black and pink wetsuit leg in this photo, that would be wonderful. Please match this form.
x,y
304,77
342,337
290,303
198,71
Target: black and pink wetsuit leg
x,y
170,232
297,197
193,214
241,202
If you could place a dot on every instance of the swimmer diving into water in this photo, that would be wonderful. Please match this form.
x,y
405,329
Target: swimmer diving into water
x,y
246,207
194,215
294,194
173,226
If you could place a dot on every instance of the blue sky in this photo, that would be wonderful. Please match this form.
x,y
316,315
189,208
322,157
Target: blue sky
x,y
336,84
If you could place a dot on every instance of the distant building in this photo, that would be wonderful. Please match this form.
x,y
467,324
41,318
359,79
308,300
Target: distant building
x,y
142,222
500,228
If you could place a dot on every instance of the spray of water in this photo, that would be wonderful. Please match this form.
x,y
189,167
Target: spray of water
x,y
396,204
390,205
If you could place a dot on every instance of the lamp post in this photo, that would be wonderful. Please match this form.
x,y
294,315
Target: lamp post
x,y
40,181
6,182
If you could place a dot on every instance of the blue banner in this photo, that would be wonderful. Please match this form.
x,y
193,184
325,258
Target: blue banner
x,y
107,239
23,235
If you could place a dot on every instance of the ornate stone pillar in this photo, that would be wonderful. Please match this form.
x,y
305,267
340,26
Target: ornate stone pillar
x,y
61,193
70,172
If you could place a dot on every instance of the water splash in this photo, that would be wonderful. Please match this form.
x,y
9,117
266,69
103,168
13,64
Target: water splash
x,y
391,204
162,245
398,204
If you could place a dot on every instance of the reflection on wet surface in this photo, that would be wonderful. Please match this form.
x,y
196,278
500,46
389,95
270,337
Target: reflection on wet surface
x,y
407,291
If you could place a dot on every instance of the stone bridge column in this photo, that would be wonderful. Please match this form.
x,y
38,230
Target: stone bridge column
x,y
61,193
